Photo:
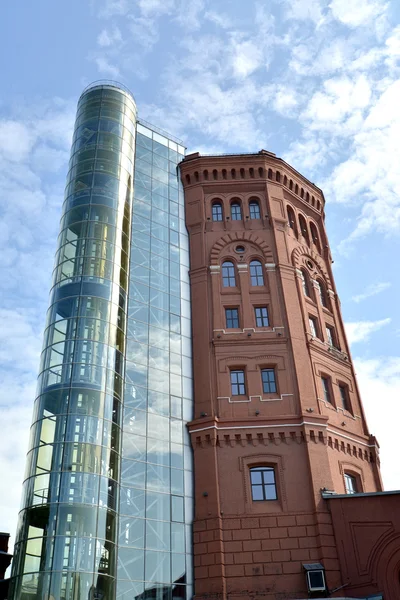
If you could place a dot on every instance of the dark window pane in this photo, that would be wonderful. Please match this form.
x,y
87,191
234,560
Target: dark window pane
x,y
344,397
268,381
263,485
232,318
326,389
217,212
237,383
254,210
256,273
313,326
350,483
304,282
228,274
236,212
261,316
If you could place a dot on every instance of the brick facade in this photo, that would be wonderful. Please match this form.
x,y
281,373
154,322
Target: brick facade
x,y
245,548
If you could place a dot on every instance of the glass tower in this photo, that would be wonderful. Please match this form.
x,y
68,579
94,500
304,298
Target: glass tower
x,y
109,478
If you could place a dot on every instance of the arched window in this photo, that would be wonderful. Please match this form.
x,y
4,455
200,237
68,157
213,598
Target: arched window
x,y
236,211
303,229
322,293
256,273
269,173
314,237
278,177
217,213
242,173
305,284
254,209
228,274
215,174
292,220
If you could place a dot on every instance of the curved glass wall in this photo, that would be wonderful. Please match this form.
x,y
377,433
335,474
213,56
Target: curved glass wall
x,y
66,546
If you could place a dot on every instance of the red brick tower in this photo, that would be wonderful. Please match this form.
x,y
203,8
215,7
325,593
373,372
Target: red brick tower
x,y
278,416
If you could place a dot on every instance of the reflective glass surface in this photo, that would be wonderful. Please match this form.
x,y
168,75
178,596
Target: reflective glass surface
x,y
68,525
155,475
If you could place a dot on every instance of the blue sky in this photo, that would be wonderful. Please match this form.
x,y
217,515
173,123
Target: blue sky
x,y
315,81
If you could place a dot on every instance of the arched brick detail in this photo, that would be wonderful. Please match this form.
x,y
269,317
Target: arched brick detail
x,y
301,251
239,236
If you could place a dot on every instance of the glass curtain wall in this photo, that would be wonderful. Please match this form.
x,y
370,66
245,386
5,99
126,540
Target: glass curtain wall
x,y
66,546
156,502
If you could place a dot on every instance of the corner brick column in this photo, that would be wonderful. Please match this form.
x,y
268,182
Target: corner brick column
x,y
209,563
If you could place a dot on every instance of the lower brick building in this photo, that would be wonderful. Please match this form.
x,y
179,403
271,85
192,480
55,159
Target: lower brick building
x,y
288,493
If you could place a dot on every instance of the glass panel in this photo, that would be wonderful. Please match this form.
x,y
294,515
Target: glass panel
x,y
257,492
256,476
131,563
131,532
158,535
158,566
270,492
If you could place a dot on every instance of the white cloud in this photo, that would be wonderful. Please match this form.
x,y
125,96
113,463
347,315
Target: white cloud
x,y
372,290
341,102
33,150
361,331
302,10
112,8
109,37
379,382
248,57
16,140
285,101
144,31
220,19
155,8
392,50
105,67
354,13
189,14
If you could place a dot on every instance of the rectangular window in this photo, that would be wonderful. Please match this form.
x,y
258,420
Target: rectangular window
x,y
350,483
232,318
268,381
261,316
330,334
344,396
313,326
263,485
326,388
238,387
